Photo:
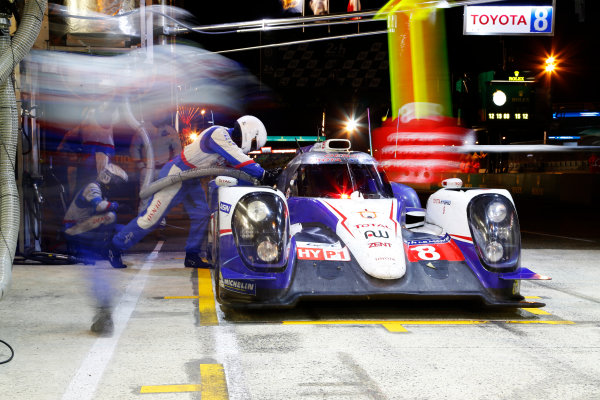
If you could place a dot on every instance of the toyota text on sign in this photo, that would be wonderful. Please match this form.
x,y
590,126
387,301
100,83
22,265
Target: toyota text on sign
x,y
515,20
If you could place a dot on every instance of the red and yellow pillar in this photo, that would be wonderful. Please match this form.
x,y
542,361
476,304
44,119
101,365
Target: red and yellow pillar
x,y
411,146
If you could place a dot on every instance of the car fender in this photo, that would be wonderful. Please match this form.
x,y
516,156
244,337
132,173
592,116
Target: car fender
x,y
447,208
228,199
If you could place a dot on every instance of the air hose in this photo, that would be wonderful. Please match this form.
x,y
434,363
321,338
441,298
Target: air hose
x,y
12,51
194,173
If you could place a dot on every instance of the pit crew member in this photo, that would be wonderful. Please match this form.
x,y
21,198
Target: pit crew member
x,y
90,220
215,146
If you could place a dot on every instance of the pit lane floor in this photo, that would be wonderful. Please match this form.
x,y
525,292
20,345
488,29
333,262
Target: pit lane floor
x,y
171,341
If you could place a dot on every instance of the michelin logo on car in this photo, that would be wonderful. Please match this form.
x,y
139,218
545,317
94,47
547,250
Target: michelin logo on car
x,y
239,286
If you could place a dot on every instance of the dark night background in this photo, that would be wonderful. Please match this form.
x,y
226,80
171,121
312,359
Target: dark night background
x,y
298,83
338,75
303,80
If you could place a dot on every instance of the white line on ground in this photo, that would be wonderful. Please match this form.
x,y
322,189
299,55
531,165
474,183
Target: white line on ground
x,y
228,354
86,380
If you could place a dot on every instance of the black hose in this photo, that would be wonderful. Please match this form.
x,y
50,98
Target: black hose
x,y
47,258
12,352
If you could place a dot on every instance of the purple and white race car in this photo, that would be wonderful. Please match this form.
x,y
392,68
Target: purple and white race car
x,y
335,228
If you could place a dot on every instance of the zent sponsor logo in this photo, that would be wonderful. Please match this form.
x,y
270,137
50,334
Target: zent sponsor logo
x,y
380,244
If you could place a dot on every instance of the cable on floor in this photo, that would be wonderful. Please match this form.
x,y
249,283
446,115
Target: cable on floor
x,y
12,352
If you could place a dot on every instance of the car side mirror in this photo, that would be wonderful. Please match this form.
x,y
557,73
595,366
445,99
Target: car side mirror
x,y
225,181
452,183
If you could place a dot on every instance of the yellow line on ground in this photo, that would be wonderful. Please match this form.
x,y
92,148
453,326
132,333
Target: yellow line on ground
x,y
206,299
214,385
395,327
443,322
532,297
537,311
170,388
399,326
376,322
335,322
180,297
541,322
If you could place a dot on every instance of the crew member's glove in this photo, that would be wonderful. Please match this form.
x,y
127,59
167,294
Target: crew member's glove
x,y
269,178
113,206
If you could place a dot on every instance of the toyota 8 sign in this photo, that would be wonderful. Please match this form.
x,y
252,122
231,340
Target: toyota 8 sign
x,y
512,20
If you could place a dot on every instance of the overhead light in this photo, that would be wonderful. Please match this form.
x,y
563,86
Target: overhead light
x,y
550,64
499,98
351,125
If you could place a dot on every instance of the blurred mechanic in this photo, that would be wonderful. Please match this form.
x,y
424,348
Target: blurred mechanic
x,y
92,142
90,220
165,146
216,146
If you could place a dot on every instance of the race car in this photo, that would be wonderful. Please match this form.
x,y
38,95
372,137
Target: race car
x,y
334,227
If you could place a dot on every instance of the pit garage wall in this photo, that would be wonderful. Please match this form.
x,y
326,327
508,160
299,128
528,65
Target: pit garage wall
x,y
560,188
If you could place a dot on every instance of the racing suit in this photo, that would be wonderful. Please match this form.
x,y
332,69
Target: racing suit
x,y
213,147
89,222
96,147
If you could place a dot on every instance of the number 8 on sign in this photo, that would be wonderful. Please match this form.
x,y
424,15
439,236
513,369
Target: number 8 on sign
x,y
541,19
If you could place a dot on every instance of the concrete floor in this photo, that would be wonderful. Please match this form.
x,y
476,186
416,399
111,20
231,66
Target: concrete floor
x,y
171,341
47,314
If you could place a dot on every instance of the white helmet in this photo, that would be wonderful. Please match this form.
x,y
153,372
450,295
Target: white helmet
x,y
249,133
112,174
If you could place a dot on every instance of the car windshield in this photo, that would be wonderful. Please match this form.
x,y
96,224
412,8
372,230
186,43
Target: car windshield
x,y
343,180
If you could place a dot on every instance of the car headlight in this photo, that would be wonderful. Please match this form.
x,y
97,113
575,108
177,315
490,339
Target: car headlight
x,y
267,251
495,230
496,211
257,210
260,230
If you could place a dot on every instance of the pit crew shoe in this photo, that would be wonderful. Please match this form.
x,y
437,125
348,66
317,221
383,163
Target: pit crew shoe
x,y
114,257
193,260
